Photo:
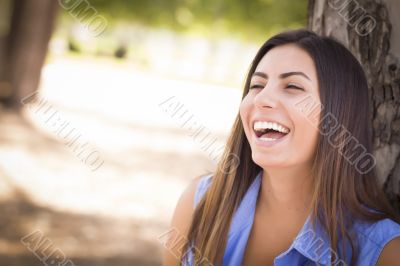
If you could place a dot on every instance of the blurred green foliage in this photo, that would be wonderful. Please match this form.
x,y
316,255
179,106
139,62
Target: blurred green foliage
x,y
246,19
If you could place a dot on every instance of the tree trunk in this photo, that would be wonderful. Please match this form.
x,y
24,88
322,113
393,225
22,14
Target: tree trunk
x,y
371,30
5,14
31,26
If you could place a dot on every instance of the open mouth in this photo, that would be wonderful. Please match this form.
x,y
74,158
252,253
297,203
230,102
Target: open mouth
x,y
270,131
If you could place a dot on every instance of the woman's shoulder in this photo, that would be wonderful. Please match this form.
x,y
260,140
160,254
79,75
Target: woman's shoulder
x,y
202,185
374,236
378,231
183,214
191,195
192,192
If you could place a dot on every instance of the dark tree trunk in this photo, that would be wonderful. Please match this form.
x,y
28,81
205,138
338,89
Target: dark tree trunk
x,y
5,14
371,30
25,48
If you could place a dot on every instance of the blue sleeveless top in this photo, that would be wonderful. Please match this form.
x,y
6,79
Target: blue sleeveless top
x,y
310,247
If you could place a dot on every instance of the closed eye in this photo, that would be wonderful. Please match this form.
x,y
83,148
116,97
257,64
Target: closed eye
x,y
256,86
293,86
289,86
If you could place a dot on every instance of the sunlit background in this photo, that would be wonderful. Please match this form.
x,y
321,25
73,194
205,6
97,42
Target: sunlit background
x,y
93,160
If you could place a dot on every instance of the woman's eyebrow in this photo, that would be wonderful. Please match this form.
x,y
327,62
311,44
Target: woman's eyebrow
x,y
283,75
261,74
288,74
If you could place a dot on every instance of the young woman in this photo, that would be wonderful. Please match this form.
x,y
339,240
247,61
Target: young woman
x,y
305,191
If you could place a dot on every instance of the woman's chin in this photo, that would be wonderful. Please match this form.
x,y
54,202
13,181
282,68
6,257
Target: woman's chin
x,y
269,161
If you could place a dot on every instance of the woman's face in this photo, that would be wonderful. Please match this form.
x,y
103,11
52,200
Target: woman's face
x,y
282,87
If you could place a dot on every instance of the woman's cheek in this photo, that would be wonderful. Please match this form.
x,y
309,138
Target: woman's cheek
x,y
305,135
244,111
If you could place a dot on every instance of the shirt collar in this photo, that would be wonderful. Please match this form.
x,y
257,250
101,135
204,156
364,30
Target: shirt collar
x,y
313,243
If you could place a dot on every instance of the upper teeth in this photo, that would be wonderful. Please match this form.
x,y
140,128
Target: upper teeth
x,y
261,125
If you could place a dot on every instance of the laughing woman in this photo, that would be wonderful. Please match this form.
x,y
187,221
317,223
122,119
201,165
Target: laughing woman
x,y
305,191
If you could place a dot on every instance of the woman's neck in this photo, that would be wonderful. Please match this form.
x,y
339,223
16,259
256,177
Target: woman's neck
x,y
287,190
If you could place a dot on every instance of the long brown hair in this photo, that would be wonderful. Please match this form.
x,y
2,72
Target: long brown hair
x,y
346,187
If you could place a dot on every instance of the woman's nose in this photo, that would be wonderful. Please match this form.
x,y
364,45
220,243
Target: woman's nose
x,y
267,97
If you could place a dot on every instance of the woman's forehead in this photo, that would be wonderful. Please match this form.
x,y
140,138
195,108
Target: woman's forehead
x,y
286,58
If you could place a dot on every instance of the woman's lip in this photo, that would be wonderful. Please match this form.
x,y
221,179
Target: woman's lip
x,y
269,143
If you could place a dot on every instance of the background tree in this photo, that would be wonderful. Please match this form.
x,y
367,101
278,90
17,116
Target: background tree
x,y
23,49
371,30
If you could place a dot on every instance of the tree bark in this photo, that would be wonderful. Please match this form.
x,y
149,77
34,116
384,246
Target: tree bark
x,y
31,26
377,47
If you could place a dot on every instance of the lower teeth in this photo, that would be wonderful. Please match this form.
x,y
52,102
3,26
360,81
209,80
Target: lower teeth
x,y
267,139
